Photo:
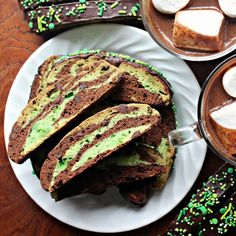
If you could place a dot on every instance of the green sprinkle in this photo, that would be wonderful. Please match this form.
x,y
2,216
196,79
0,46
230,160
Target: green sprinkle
x,y
222,210
180,215
57,18
227,211
229,220
31,25
51,26
209,210
122,12
115,4
203,210
214,195
221,179
223,187
141,62
190,205
40,24
100,13
230,170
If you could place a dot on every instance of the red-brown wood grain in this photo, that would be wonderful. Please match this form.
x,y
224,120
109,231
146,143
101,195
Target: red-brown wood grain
x,y
19,215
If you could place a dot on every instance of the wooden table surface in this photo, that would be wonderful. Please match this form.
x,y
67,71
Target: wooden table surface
x,y
19,215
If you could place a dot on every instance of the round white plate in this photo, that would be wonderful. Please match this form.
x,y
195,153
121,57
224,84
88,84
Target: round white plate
x,y
110,212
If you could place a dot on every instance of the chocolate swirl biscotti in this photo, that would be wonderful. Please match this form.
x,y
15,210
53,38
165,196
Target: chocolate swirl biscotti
x,y
142,83
94,139
135,162
63,15
43,71
155,146
122,167
57,106
139,85
60,73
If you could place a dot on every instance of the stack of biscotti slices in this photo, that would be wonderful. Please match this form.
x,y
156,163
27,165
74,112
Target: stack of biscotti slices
x,y
121,139
49,15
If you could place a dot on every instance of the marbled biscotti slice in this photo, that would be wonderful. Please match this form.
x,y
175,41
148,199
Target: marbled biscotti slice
x,y
58,73
143,83
125,166
43,71
155,142
140,85
56,107
94,139
134,163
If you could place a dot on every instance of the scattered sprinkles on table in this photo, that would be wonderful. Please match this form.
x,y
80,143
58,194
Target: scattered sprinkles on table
x,y
61,15
205,203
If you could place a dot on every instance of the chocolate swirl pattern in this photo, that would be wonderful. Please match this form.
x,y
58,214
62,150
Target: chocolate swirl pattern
x,y
58,106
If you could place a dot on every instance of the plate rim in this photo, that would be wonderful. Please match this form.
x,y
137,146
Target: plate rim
x,y
41,48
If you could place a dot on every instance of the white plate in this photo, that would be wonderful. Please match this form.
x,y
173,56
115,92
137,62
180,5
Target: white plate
x,y
110,212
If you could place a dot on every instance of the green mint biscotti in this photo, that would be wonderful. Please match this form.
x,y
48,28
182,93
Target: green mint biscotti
x,y
43,71
140,85
125,166
142,82
58,106
155,142
94,139
52,72
155,145
135,162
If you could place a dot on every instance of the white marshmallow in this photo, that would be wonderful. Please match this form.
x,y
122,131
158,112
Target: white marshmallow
x,y
229,81
169,6
228,7
225,116
204,22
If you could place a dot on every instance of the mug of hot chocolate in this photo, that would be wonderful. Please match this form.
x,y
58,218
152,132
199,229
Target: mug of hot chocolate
x,y
216,114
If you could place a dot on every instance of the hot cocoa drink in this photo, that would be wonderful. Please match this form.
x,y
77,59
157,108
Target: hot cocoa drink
x,y
218,110
160,24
